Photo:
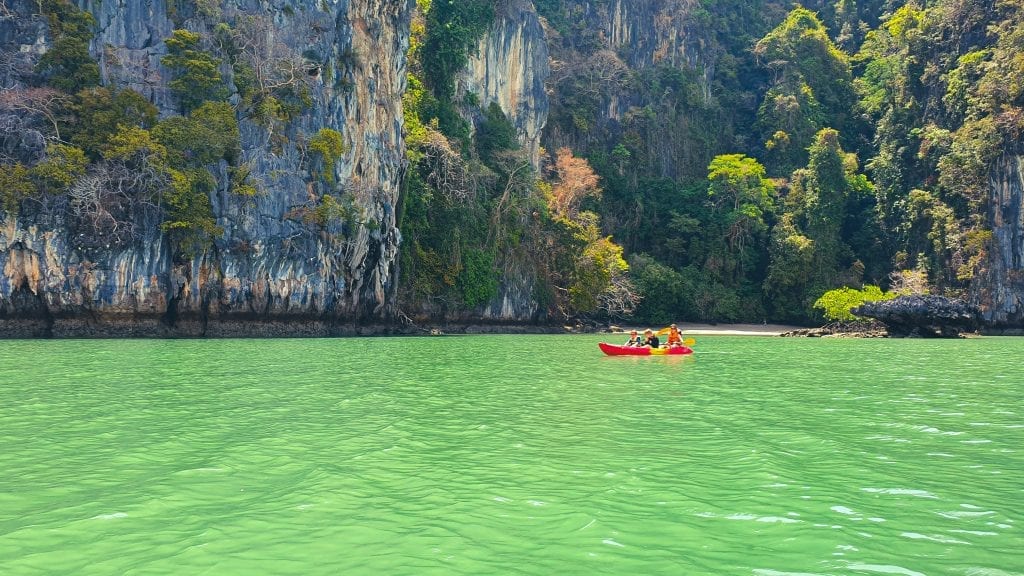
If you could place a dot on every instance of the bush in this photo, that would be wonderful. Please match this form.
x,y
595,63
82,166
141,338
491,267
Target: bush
x,y
15,186
63,165
329,146
836,304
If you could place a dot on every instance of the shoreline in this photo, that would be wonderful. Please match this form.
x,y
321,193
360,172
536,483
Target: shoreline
x,y
721,329
155,328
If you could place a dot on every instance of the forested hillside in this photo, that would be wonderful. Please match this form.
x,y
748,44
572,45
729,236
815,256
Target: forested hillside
x,y
194,164
754,156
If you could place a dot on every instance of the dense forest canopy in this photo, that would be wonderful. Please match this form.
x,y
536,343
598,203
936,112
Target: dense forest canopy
x,y
732,161
871,127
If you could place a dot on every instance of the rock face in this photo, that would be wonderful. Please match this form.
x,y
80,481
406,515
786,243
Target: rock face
x,y
998,291
269,266
510,67
652,33
922,316
595,102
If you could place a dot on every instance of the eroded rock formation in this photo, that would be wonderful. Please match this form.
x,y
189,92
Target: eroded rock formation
x,y
922,316
998,291
269,265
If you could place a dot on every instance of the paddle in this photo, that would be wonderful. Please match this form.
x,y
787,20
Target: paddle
x,y
667,329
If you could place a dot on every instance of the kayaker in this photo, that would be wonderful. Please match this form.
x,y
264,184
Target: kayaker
x,y
634,338
675,337
651,340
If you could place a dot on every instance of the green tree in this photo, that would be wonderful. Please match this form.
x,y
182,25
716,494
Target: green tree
x,y
667,293
453,29
207,135
138,148
15,186
478,281
63,165
67,65
495,134
189,215
97,113
743,195
328,147
792,267
837,304
812,87
197,72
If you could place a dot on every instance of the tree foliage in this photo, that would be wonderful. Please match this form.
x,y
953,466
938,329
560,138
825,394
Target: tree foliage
x,y
328,147
453,28
836,305
15,186
197,71
67,65
768,157
812,88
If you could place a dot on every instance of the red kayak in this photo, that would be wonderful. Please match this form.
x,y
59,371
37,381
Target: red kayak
x,y
616,350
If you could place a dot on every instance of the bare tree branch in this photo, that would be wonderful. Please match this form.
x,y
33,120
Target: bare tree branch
x,y
43,102
274,63
448,172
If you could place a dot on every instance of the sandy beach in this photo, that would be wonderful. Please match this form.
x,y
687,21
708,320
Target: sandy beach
x,y
724,329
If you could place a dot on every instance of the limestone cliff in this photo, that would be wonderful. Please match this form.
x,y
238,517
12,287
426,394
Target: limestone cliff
x,y
268,265
999,290
600,97
510,67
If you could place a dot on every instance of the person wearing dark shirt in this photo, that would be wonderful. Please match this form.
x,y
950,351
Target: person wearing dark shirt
x,y
651,340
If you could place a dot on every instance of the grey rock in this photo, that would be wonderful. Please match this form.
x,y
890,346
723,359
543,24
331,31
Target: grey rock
x,y
924,316
269,266
998,287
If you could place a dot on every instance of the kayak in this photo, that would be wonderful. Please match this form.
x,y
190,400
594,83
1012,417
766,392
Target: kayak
x,y
616,350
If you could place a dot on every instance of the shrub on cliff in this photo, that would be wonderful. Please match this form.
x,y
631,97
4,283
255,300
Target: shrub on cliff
x,y
15,186
197,72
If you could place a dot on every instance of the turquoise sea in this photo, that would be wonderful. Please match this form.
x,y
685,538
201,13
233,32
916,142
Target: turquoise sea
x,y
503,455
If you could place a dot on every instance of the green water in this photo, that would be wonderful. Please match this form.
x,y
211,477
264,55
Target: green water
x,y
511,455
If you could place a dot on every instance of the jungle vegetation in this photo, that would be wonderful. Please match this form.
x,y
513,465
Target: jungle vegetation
x,y
477,212
830,145
827,146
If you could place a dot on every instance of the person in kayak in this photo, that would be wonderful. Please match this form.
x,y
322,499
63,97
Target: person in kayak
x,y
651,340
675,337
634,339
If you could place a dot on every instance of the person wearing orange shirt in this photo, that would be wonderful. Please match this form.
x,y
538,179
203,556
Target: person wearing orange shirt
x,y
675,337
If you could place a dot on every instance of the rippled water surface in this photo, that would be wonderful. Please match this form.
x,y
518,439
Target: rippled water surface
x,y
512,455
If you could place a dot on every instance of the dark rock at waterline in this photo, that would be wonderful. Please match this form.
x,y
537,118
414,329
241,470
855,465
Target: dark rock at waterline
x,y
855,329
922,316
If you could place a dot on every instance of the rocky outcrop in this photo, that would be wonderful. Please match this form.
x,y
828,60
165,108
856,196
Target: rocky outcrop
x,y
510,67
269,266
650,33
854,329
998,290
922,316
604,92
